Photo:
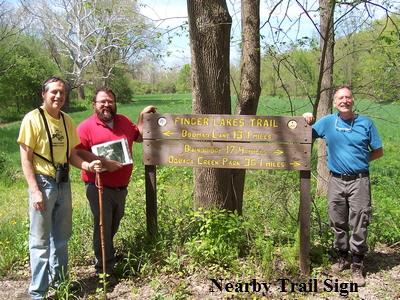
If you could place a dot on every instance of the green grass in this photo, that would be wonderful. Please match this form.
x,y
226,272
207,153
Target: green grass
x,y
261,243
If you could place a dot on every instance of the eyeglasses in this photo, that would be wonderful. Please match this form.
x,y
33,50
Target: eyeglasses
x,y
346,128
103,102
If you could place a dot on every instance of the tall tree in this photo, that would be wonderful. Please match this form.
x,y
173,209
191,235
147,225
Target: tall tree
x,y
334,18
12,24
82,33
209,28
323,103
19,85
209,31
250,88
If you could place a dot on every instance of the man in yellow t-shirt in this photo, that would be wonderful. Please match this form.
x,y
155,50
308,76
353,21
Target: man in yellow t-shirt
x,y
47,139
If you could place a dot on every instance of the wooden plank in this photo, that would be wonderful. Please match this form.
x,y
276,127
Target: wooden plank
x,y
304,216
227,155
234,142
151,200
226,128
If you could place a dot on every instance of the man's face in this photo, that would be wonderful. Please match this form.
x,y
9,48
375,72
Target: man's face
x,y
343,100
105,106
54,96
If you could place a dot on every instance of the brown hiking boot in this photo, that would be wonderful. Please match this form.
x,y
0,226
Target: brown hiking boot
x,y
357,274
343,263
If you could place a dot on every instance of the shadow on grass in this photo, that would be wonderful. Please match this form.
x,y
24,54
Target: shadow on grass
x,y
89,286
382,261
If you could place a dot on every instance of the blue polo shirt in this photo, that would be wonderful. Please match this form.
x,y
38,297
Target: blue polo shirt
x,y
349,142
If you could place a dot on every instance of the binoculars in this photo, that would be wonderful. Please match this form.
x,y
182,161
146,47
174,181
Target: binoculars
x,y
62,173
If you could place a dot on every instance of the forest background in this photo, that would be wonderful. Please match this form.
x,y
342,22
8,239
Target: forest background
x,y
112,43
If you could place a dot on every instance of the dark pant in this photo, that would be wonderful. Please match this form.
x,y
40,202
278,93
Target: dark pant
x,y
349,208
113,211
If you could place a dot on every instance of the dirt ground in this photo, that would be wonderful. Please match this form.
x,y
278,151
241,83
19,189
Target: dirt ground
x,y
382,268
5,124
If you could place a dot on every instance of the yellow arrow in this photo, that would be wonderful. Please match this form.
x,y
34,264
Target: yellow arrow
x,y
278,152
168,133
295,164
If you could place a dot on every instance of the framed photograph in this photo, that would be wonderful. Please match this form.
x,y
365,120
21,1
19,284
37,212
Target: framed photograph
x,y
115,150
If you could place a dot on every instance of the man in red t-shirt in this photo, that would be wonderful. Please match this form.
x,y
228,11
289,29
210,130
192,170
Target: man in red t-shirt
x,y
105,126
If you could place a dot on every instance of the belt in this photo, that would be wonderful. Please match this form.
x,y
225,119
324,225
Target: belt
x,y
349,177
117,188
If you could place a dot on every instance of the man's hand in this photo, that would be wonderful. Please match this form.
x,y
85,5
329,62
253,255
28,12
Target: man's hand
x,y
112,165
309,118
146,110
149,109
37,200
95,166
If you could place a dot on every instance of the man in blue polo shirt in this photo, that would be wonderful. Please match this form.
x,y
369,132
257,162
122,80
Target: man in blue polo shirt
x,y
352,142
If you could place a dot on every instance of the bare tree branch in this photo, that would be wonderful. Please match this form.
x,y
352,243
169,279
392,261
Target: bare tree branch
x,y
100,33
12,25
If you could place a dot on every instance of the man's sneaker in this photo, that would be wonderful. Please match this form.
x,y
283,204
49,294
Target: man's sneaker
x,y
357,274
343,263
112,280
75,286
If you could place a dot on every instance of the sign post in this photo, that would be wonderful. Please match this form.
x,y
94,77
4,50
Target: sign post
x,y
234,142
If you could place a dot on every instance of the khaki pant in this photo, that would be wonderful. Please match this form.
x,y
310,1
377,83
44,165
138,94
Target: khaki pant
x,y
349,208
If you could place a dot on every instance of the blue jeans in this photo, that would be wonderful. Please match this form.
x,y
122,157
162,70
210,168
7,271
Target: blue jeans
x,y
49,233
113,211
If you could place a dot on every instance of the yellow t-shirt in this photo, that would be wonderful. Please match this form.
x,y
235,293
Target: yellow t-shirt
x,y
33,134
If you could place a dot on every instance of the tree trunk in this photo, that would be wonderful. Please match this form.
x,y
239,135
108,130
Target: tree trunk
x,y
324,105
209,30
250,87
65,107
81,92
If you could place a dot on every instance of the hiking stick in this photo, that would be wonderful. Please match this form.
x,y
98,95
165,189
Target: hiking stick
x,y
103,248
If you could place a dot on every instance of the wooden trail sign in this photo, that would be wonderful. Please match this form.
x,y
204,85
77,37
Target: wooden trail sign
x,y
227,155
234,142
227,141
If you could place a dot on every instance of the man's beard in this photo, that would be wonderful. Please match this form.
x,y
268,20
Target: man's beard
x,y
107,118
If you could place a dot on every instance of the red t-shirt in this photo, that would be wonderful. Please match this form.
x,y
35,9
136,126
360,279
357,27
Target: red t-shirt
x,y
93,131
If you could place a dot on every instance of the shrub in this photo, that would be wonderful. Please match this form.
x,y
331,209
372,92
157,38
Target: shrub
x,y
219,237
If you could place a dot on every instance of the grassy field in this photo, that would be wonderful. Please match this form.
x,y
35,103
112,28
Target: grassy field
x,y
261,243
